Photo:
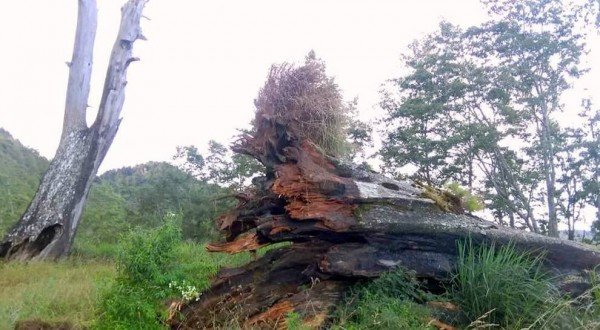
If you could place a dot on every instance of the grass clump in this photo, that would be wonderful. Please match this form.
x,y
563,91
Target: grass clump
x,y
506,285
388,302
581,312
64,291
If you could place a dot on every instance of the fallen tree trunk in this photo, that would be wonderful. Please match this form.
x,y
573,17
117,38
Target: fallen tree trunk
x,y
345,224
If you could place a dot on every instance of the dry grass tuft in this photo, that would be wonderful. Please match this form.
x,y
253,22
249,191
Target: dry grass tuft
x,y
307,101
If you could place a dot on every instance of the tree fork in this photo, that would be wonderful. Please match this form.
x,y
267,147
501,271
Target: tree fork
x,y
47,228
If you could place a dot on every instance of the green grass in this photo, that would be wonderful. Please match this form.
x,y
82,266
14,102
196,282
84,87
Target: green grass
x,y
388,302
72,290
502,287
51,291
376,311
507,284
98,251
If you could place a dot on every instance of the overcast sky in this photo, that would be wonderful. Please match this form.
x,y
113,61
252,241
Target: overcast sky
x,y
203,63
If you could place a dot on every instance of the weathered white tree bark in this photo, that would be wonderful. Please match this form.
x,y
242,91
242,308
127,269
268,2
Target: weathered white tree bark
x,y
48,227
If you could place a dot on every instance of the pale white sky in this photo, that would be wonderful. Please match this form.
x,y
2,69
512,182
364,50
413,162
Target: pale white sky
x,y
203,63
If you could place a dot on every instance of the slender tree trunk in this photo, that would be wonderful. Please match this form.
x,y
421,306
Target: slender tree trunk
x,y
509,186
511,220
549,174
48,227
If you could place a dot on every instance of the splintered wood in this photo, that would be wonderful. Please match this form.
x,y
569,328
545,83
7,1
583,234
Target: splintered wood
x,y
243,244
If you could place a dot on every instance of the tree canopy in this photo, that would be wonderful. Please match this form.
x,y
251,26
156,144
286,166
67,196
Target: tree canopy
x,y
480,106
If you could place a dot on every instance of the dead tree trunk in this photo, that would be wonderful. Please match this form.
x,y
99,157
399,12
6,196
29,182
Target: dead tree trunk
x,y
48,227
345,224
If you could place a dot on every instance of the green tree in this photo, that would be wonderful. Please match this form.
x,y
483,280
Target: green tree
x,y
220,166
590,162
572,179
190,160
479,105
419,111
539,47
448,117
358,135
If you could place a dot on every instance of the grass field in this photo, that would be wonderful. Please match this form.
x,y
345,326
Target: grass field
x,y
52,291
70,290
90,292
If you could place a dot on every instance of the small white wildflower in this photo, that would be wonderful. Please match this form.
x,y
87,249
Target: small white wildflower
x,y
188,292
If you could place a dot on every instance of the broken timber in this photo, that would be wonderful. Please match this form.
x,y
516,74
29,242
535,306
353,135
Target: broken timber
x,y
345,224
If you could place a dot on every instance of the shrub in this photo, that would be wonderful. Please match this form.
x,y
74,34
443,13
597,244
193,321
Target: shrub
x,y
145,267
153,266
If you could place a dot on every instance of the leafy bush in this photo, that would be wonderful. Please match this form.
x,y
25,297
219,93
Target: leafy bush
x,y
153,266
145,267
503,283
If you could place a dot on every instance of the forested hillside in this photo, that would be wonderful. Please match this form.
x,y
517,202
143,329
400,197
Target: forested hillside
x,y
138,196
142,195
20,171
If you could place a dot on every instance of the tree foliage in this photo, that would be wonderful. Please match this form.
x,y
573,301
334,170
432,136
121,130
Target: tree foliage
x,y
480,107
143,195
220,166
